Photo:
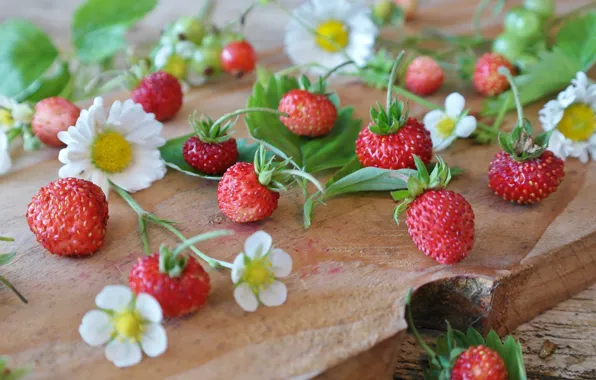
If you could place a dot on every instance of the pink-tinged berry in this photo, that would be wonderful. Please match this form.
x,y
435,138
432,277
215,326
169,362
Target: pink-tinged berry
x,y
160,94
238,58
310,115
487,79
52,116
479,363
424,76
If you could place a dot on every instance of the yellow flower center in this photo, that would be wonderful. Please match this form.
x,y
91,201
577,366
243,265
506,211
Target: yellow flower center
x,y
332,35
129,324
258,274
176,66
446,126
578,122
111,152
6,118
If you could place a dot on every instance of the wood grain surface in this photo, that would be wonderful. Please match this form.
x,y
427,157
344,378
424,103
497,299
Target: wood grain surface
x,y
352,268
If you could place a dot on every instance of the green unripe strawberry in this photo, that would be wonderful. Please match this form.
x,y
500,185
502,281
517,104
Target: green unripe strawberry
x,y
383,10
206,61
189,28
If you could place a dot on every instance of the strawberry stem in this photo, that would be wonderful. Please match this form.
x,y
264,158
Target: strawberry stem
x,y
11,287
501,114
145,217
248,110
408,95
199,238
4,238
426,348
520,110
330,72
291,69
305,175
392,79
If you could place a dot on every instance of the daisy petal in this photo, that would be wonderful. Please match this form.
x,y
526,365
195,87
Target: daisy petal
x,y
96,329
274,295
257,244
465,126
114,297
123,354
454,105
155,340
149,308
281,263
246,298
238,268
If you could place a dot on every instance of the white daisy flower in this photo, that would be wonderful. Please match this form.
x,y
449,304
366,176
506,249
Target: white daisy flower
x,y
573,116
5,161
14,114
120,146
343,29
128,325
255,273
445,126
174,58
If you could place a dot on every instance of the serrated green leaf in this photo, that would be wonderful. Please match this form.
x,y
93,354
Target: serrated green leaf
x,y
99,26
7,258
26,53
577,39
494,341
314,154
171,153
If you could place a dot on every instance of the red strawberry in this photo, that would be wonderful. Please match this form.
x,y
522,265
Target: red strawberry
x,y
311,114
524,171
242,198
479,363
238,58
250,192
440,222
487,80
51,116
180,285
391,139
69,217
160,94
213,150
424,76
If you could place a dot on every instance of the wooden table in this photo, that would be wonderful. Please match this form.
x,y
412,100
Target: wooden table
x,y
62,290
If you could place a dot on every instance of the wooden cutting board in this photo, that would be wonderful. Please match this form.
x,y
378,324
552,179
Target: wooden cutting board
x,y
352,268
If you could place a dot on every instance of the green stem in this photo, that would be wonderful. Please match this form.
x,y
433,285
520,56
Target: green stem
x,y
13,133
330,72
214,263
206,10
291,69
4,238
392,79
149,217
11,287
501,114
520,110
426,348
305,175
247,110
487,129
187,243
407,94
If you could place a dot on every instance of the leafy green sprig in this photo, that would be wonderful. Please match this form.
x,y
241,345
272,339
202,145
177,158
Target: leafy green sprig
x,y
5,259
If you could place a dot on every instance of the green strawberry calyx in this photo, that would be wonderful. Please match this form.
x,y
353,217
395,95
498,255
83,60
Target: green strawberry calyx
x,y
437,179
320,85
277,175
453,343
218,131
388,120
520,144
172,262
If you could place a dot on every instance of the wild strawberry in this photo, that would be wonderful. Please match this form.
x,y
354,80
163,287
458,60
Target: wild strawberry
x,y
250,192
238,58
160,94
310,112
178,282
487,79
524,171
440,222
479,363
391,139
69,217
53,115
424,76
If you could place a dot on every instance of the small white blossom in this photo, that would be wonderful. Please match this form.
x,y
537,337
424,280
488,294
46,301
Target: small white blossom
x,y
446,126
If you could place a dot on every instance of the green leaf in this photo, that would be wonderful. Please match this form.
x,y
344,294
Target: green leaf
x,y
51,84
400,195
99,26
6,258
314,154
494,341
171,153
474,338
351,167
26,53
577,39
370,179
